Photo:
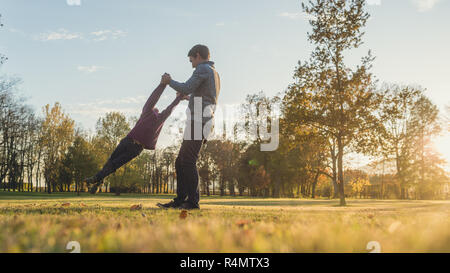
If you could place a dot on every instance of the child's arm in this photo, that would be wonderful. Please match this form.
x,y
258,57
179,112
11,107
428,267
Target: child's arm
x,y
166,113
154,97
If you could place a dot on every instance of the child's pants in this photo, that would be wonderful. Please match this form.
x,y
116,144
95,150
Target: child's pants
x,y
124,153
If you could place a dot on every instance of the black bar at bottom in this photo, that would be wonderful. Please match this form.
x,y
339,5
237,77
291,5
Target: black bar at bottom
x,y
229,262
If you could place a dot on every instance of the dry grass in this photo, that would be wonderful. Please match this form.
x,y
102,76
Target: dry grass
x,y
105,223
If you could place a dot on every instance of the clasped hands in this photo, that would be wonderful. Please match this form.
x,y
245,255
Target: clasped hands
x,y
165,79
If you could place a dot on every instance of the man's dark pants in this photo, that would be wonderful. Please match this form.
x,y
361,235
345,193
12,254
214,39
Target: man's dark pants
x,y
186,169
124,152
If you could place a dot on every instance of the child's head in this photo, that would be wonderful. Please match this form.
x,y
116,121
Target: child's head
x,y
198,54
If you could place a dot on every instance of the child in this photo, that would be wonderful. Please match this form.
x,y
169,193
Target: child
x,y
143,136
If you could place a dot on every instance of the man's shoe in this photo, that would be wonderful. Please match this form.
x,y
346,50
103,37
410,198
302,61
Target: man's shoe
x,y
189,206
171,205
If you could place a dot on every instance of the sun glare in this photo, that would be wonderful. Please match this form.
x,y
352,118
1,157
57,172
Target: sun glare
x,y
442,145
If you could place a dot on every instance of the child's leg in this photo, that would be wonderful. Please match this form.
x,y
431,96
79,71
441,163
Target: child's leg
x,y
125,152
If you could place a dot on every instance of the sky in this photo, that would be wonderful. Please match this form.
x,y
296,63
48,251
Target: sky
x,y
97,56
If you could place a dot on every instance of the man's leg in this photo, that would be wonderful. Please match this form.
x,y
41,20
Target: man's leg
x,y
188,163
181,190
186,169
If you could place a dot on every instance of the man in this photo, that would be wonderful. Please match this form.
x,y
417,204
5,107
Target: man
x,y
203,88
144,135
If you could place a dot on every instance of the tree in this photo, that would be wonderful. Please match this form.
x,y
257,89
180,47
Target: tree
x,y
259,122
311,153
110,130
428,164
57,135
328,96
409,120
17,125
79,162
168,161
33,151
205,169
144,165
358,181
3,58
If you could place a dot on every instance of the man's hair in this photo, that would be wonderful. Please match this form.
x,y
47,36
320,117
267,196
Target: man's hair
x,y
200,49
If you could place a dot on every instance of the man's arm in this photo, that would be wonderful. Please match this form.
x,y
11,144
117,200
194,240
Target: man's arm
x,y
154,97
192,84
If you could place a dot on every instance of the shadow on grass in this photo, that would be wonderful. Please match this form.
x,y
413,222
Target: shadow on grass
x,y
73,210
313,202
4,195
292,203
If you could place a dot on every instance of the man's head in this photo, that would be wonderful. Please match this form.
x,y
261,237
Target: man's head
x,y
198,54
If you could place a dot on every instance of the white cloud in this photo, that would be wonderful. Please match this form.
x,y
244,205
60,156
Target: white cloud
x,y
102,35
89,69
61,34
17,31
64,34
13,30
425,5
95,111
99,107
126,100
220,24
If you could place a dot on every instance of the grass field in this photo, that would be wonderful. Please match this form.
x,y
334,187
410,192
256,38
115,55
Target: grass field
x,y
34,222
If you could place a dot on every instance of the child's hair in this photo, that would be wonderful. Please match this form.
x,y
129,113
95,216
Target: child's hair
x,y
200,49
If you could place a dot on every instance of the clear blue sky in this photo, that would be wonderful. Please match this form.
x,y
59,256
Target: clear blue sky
x,y
105,55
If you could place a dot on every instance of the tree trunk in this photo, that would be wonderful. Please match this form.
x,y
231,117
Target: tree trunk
x,y
313,190
49,187
334,172
341,172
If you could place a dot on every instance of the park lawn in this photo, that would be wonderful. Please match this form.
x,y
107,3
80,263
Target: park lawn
x,y
39,222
